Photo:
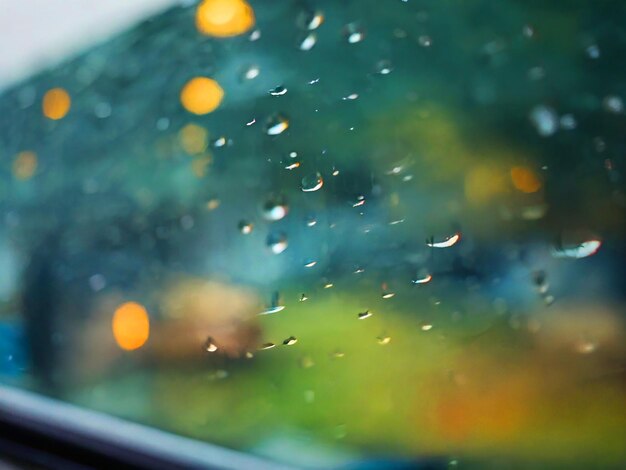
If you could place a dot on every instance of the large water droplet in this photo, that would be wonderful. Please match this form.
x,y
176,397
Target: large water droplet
x,y
582,250
445,243
312,182
210,345
277,242
280,90
276,124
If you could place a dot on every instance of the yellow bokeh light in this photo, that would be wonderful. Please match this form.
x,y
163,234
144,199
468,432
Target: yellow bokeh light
x,y
24,165
131,326
56,103
224,18
525,180
193,138
201,95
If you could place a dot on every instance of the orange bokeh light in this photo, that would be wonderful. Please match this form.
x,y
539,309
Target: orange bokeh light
x,y
525,180
224,18
56,103
201,95
131,326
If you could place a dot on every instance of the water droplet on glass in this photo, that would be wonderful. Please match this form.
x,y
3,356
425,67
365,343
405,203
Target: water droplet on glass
x,y
545,120
255,35
307,43
275,209
350,97
582,250
540,279
276,124
364,315
251,72
359,270
354,33
423,279
427,327
446,242
277,242
383,67
388,295
310,19
210,345
384,340
328,285
249,355
266,346
310,263
292,166
290,341
219,142
528,31
280,90
424,41
312,182
613,104
245,227
338,354
251,122
303,298
360,200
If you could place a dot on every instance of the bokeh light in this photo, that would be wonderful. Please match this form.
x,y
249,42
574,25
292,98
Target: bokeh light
x,y
56,103
525,180
224,18
201,95
131,326
24,165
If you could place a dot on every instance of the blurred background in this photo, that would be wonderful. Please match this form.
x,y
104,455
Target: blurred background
x,y
333,234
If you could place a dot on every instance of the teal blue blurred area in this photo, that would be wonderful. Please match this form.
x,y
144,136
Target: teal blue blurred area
x,y
425,265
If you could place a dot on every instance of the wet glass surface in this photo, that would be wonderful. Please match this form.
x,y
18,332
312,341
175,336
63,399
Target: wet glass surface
x,y
330,232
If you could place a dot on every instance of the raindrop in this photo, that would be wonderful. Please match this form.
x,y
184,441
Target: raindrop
x,y
544,119
277,242
328,285
245,227
388,295
445,243
424,279
280,90
255,35
540,280
312,182
427,327
310,20
384,340
292,166
251,122
354,33
290,341
306,44
335,171
272,310
303,298
210,345
275,209
338,354
383,67
265,346
219,142
251,72
360,200
350,97
364,315
582,250
276,124
359,270
310,264
424,41
613,104
311,221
